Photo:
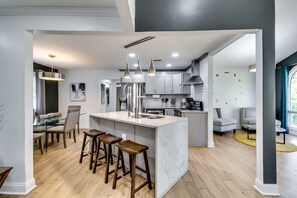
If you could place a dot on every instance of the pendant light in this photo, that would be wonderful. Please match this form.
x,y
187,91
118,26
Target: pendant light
x,y
54,76
127,72
252,68
138,71
152,69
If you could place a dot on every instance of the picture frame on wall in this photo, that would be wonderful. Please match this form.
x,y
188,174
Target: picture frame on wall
x,y
78,92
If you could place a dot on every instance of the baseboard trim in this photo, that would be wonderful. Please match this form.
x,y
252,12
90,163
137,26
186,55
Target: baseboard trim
x,y
13,188
210,144
266,189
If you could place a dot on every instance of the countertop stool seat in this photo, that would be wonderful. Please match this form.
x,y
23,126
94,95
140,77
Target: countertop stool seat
x,y
107,140
132,149
92,134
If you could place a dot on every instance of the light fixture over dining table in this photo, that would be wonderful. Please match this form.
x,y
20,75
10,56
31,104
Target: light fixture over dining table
x,y
51,75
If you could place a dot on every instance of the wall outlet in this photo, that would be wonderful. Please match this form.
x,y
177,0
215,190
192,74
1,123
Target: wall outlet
x,y
124,136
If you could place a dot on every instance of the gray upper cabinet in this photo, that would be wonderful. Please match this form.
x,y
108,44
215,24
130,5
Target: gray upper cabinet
x,y
177,80
155,84
168,84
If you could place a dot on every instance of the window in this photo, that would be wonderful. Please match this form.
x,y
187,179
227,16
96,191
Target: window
x,y
292,103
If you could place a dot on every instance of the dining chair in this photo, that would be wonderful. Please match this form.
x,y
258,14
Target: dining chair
x,y
68,127
70,107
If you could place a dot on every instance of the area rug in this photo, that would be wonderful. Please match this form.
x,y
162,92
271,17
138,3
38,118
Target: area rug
x,y
288,147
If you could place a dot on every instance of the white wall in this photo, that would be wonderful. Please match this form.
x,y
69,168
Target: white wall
x,y
92,78
16,70
233,88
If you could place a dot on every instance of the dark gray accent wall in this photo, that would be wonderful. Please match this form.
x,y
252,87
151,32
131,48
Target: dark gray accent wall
x,y
288,61
180,15
51,91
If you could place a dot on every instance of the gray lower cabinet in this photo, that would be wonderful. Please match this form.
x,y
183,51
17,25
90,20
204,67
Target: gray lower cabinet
x,y
197,122
169,112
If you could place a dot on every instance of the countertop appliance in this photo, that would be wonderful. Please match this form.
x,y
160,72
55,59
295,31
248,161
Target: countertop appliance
x,y
190,105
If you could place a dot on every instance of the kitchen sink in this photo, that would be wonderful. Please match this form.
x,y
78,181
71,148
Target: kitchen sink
x,y
155,117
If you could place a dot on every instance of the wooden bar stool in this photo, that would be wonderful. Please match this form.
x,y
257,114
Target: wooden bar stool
x,y
108,140
93,134
132,149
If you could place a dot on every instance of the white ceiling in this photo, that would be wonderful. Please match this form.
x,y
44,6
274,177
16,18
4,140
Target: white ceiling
x,y
286,28
241,53
78,51
107,51
71,3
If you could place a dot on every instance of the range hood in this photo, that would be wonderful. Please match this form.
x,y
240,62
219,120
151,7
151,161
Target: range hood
x,y
195,78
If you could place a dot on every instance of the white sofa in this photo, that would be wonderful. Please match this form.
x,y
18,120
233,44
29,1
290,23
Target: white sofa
x,y
221,124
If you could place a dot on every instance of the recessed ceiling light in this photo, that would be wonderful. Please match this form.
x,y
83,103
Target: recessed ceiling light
x,y
168,65
175,54
135,65
132,55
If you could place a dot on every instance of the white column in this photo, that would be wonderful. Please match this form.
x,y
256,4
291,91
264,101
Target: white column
x,y
265,189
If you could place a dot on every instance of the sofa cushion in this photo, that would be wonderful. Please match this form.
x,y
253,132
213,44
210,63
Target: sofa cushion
x,y
250,112
278,123
223,121
249,120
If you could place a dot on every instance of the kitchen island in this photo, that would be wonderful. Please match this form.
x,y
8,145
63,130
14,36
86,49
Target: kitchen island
x,y
166,137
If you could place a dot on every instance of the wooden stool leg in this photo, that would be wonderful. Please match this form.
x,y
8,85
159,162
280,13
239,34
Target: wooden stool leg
x,y
92,152
40,145
82,148
111,157
70,135
122,162
96,157
64,140
130,164
58,137
107,163
133,170
148,175
74,137
115,177
105,152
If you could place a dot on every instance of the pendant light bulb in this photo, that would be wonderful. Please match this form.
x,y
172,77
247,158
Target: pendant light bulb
x,y
127,72
138,71
152,69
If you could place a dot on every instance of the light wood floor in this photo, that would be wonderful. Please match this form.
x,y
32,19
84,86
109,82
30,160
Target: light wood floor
x,y
225,171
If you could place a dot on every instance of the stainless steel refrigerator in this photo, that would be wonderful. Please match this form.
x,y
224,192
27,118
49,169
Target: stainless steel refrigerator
x,y
129,96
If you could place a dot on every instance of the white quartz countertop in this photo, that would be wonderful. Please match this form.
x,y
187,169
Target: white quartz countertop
x,y
122,116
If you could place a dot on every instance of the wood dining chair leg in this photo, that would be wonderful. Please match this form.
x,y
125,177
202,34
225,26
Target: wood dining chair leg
x,y
78,128
74,137
133,170
64,140
58,137
70,135
52,136
40,145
